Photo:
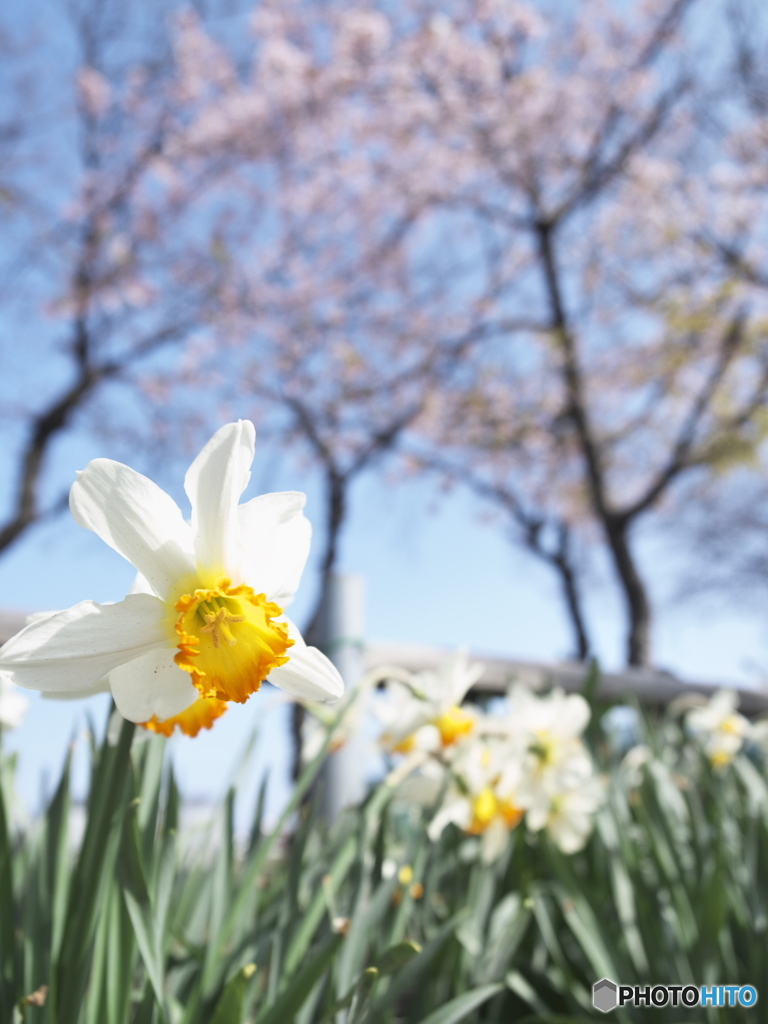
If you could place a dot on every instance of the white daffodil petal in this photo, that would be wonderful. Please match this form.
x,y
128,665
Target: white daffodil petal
x,y
75,649
39,616
458,811
427,738
152,685
214,484
537,815
274,543
136,518
494,841
457,676
140,585
576,715
570,833
309,674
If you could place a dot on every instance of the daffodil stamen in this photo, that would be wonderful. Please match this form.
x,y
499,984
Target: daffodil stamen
x,y
217,626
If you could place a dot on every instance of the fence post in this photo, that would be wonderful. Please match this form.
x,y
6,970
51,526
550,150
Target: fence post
x,y
343,781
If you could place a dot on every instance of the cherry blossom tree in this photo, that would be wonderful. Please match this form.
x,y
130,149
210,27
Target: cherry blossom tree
x,y
508,239
648,363
398,183
344,304
93,275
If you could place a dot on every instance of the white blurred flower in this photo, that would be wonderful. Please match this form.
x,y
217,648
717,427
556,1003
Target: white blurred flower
x,y
552,722
719,727
568,816
209,626
548,730
483,796
558,788
318,722
633,761
426,714
423,784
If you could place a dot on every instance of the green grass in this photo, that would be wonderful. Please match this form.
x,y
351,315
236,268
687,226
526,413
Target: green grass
x,y
135,925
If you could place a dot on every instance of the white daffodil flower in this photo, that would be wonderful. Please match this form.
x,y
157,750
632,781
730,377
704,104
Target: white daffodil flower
x,y
318,723
557,787
548,729
721,729
426,714
13,705
208,627
425,783
633,763
552,722
482,797
568,816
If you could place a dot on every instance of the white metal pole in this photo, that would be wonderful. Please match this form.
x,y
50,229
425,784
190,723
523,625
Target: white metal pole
x,y
343,781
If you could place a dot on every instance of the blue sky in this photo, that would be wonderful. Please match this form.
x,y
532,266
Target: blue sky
x,y
436,573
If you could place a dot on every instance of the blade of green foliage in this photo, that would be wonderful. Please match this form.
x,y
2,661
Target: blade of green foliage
x,y
363,990
312,917
462,1005
416,968
229,1009
256,862
136,895
8,960
106,804
299,985
396,957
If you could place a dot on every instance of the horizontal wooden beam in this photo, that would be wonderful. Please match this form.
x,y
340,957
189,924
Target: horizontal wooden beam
x,y
649,686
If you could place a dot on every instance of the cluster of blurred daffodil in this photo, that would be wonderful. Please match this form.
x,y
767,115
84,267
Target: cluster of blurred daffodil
x,y
485,773
721,730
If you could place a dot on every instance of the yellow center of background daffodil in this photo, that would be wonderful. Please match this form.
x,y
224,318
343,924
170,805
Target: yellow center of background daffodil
x,y
721,759
487,807
453,724
405,746
733,725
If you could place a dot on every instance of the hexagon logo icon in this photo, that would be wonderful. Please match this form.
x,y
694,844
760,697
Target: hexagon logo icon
x,y
604,996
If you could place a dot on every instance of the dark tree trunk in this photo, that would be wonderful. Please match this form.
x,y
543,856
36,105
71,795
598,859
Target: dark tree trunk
x,y
45,428
615,526
335,512
562,562
635,594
